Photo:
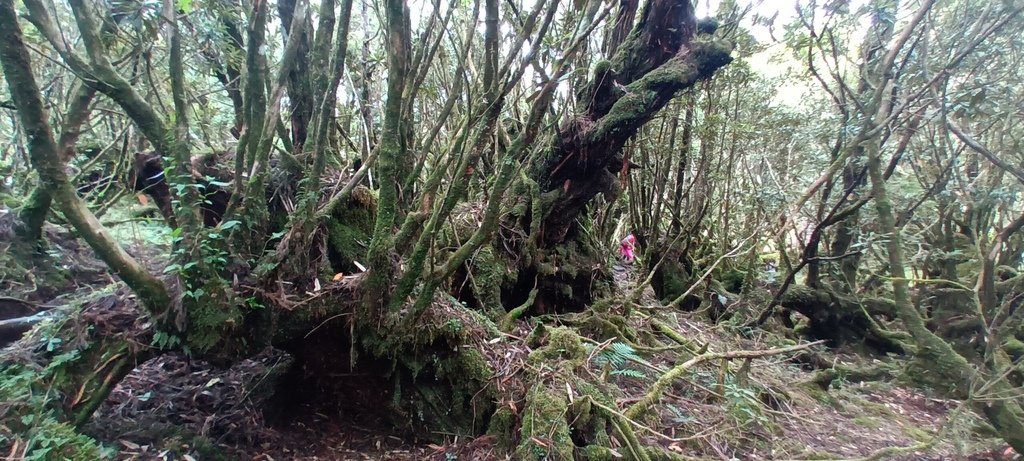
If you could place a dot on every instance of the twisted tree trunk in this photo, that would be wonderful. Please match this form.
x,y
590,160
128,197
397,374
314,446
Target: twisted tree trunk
x,y
661,56
666,51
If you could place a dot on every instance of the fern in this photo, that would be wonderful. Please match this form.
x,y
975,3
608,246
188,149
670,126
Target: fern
x,y
629,373
616,356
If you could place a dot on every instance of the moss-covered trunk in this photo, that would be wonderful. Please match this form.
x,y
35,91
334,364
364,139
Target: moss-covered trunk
x,y
661,56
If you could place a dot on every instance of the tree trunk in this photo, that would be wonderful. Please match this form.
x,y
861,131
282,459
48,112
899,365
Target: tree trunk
x,y
660,57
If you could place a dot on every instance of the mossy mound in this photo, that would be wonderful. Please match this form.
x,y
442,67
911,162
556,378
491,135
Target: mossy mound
x,y
349,227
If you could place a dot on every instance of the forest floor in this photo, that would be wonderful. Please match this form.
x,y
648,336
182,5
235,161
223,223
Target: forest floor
x,y
173,407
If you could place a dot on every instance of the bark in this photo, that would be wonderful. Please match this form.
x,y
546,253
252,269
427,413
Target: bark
x,y
260,142
12,329
392,155
327,91
33,213
300,83
98,71
623,24
660,57
187,215
879,34
843,319
228,73
254,98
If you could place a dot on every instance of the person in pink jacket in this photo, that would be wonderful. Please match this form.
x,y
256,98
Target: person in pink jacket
x,y
627,248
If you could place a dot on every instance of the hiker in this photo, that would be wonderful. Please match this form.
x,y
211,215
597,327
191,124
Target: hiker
x,y
627,248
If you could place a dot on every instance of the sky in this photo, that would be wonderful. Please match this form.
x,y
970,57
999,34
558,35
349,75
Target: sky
x,y
768,62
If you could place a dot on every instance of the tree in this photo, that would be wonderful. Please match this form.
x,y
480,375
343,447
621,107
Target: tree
x,y
666,52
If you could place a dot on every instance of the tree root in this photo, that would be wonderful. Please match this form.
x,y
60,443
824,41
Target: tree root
x,y
662,384
508,322
674,335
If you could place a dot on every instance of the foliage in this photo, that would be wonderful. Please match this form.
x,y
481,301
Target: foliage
x,y
616,357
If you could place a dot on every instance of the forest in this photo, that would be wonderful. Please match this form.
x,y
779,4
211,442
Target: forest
x,y
509,229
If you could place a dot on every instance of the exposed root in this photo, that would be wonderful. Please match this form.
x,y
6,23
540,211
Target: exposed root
x,y
666,380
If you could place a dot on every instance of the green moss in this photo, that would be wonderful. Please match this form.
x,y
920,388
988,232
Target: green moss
x,y
811,453
598,453
590,423
815,392
732,280
544,420
867,421
875,409
503,428
1014,348
489,275
469,367
674,281
349,229
917,433
563,344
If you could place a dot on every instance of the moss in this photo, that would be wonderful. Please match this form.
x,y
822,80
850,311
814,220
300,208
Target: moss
x,y
349,228
674,281
732,280
436,385
591,424
563,344
875,409
469,368
450,398
544,420
867,421
815,392
1014,348
606,326
598,453
917,434
503,428
489,275
811,453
